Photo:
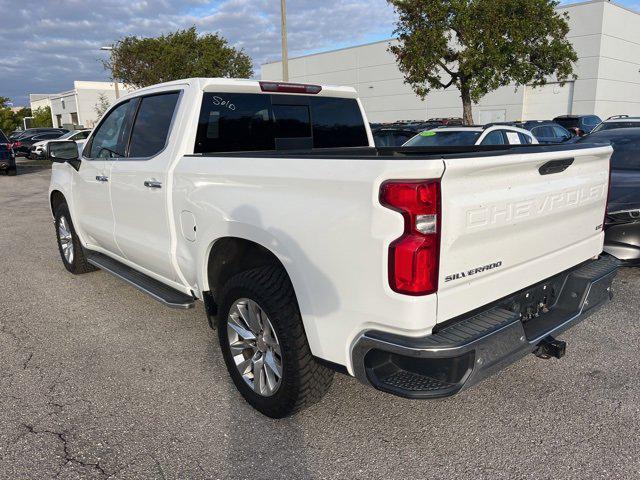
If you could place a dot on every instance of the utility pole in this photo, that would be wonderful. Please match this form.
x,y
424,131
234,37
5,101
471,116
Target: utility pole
x,y
115,81
285,54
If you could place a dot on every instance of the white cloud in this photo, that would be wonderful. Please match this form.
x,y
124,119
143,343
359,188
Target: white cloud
x,y
47,44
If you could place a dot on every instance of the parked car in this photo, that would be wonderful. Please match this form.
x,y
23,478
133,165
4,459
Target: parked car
x,y
579,125
39,149
7,158
465,136
618,121
16,134
22,144
622,235
547,132
420,273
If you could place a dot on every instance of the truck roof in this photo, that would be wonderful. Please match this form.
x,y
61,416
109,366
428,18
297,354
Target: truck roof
x,y
241,85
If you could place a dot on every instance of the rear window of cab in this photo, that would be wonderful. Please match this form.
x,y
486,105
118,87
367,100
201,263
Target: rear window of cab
x,y
235,122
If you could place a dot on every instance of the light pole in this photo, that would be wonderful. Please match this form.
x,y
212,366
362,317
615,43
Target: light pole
x,y
115,81
285,55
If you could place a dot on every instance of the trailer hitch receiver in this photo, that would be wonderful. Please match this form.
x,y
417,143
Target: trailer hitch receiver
x,y
550,347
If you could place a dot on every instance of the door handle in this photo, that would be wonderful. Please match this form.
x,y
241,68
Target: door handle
x,y
152,184
556,166
102,178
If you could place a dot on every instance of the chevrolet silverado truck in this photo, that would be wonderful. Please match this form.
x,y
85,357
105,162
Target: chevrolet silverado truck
x,y
418,270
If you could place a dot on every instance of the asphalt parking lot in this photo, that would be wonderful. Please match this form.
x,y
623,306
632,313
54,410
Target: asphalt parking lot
x,y
99,381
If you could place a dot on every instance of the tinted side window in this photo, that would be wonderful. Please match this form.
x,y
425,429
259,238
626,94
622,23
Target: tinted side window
x,y
494,138
560,132
337,122
524,139
151,126
108,141
231,122
543,132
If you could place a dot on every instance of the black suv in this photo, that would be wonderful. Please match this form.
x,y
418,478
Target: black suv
x,y
579,125
7,158
22,143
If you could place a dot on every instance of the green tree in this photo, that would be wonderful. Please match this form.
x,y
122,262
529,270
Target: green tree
x,y
481,45
140,62
10,120
102,105
42,117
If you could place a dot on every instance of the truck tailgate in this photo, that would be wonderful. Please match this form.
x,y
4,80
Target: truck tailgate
x,y
509,221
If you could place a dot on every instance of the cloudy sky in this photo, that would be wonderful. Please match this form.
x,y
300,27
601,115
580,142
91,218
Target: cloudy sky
x,y
46,44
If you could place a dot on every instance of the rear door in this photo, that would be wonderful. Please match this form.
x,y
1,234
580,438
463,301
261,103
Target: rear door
x,y
139,186
510,221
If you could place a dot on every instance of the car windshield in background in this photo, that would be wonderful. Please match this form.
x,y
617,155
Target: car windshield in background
x,y
616,125
443,138
67,135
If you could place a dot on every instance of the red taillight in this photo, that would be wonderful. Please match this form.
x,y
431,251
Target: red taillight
x,y
16,144
279,87
415,256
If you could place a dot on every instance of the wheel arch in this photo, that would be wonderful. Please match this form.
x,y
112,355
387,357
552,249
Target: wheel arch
x,y
229,256
56,198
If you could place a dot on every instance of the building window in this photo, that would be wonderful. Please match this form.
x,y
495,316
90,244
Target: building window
x,y
59,120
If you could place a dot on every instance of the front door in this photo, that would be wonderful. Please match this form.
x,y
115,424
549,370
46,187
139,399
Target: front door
x,y
93,215
139,187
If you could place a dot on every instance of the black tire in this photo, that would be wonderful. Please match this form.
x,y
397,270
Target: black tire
x,y
78,263
304,381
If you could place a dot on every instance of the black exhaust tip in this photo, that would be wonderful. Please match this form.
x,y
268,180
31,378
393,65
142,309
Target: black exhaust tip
x,y
550,347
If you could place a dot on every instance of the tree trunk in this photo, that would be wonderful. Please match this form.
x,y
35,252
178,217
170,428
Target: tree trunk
x,y
467,108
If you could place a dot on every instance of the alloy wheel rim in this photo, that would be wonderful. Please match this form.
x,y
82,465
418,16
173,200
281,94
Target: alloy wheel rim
x,y
254,346
66,239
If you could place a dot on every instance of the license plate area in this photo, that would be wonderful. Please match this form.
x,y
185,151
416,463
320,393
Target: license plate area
x,y
536,301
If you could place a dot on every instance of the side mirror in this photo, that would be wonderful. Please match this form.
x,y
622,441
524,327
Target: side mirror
x,y
62,151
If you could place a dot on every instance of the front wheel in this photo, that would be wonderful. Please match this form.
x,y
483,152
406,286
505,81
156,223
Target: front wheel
x,y
71,250
264,344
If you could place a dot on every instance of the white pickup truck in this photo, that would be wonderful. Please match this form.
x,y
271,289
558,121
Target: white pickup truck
x,y
419,271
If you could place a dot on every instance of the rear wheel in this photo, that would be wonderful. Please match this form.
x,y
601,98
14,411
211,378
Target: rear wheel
x,y
71,250
264,344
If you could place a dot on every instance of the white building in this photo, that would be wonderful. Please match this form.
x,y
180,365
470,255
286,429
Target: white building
x,y
606,37
77,107
39,100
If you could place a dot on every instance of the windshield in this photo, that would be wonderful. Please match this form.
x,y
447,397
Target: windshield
x,y
66,135
443,138
616,125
